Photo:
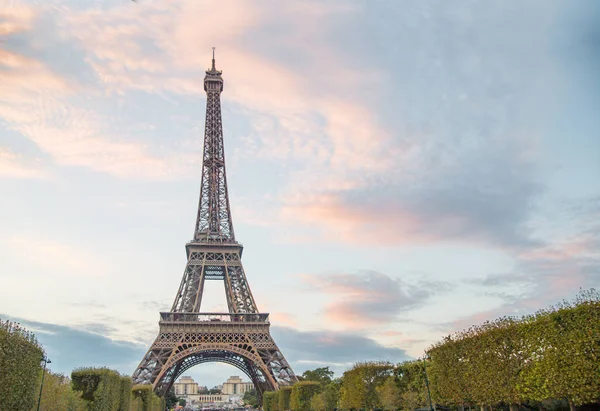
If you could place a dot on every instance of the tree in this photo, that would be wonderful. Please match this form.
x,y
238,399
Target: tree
x,y
567,352
171,399
20,367
317,403
322,375
57,394
182,402
389,394
410,379
251,398
359,384
331,394
302,393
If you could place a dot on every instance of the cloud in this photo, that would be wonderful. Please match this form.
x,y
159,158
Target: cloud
x,y
17,166
310,349
369,298
44,105
547,274
49,253
73,347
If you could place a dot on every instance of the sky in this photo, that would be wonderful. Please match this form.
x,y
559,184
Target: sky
x,y
397,170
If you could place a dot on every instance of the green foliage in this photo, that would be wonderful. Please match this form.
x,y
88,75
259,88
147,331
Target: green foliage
x,y
317,403
182,402
101,387
302,393
553,354
144,399
565,359
284,394
359,384
322,375
20,369
410,379
125,393
171,399
58,395
250,398
269,399
389,394
331,394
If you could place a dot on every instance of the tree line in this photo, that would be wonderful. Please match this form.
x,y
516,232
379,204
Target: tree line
x,y
548,360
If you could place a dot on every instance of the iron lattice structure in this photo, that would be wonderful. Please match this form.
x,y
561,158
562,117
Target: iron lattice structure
x,y
240,337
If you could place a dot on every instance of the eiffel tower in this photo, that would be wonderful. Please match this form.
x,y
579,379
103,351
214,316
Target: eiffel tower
x,y
188,337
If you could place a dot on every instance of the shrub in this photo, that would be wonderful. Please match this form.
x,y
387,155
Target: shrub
x,y
302,393
144,399
553,354
20,365
284,397
101,387
269,398
58,395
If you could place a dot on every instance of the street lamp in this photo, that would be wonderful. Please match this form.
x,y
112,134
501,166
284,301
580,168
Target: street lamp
x,y
46,361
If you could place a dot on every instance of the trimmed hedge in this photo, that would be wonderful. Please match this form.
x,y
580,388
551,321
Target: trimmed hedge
x,y
269,400
144,399
126,393
302,394
101,387
553,354
20,367
284,394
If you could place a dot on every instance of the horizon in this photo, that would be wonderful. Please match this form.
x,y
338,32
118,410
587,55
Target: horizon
x,y
397,172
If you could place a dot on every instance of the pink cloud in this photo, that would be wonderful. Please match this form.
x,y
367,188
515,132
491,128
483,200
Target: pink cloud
x,y
367,298
16,166
283,319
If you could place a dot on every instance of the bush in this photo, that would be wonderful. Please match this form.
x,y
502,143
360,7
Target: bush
x,y
269,398
553,354
144,399
125,394
359,384
58,395
284,397
302,393
101,387
20,359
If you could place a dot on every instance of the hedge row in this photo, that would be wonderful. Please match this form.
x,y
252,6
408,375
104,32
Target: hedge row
x,y
553,354
144,399
107,390
20,367
285,393
302,393
271,401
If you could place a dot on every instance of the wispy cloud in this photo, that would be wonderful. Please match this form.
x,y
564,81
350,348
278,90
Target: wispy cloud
x,y
369,298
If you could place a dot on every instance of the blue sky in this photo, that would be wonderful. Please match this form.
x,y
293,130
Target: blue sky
x,y
397,170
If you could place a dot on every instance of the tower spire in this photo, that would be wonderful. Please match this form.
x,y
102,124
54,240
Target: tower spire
x,y
213,60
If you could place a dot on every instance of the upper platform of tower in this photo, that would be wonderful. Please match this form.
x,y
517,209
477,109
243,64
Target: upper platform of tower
x,y
213,80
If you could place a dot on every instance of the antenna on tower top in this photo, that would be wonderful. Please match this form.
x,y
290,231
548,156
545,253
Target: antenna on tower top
x,y
213,60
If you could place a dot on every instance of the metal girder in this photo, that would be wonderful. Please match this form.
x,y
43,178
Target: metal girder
x,y
188,337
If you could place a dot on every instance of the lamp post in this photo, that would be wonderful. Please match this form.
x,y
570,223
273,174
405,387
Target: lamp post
x,y
46,361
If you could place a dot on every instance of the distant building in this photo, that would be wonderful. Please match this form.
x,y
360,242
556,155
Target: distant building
x,y
188,389
185,385
235,386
